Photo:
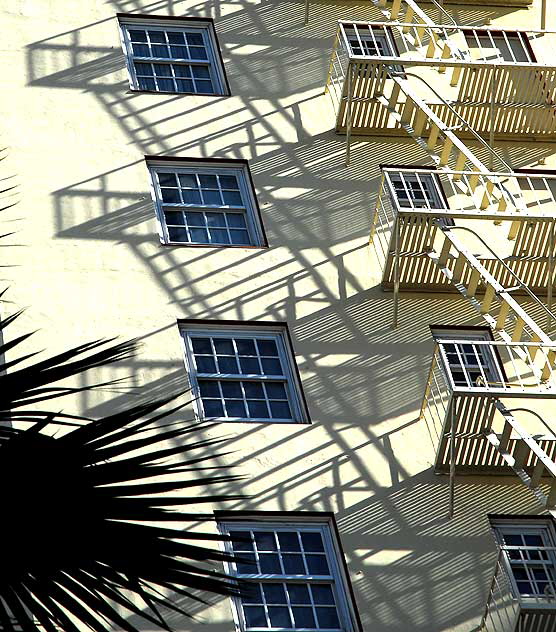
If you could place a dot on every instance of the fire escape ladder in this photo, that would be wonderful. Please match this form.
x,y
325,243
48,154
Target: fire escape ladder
x,y
526,450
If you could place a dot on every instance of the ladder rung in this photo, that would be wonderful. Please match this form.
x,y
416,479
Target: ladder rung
x,y
505,436
446,151
395,11
433,137
407,18
502,315
487,300
444,253
521,452
473,283
518,330
538,471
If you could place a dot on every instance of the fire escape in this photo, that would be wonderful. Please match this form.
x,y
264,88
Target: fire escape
x,y
472,225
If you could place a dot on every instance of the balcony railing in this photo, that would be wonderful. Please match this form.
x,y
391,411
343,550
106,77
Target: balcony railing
x,y
527,604
500,81
412,205
459,405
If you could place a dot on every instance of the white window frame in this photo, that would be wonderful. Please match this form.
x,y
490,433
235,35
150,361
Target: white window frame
x,y
379,37
513,42
340,581
205,29
493,363
544,528
290,377
249,209
434,201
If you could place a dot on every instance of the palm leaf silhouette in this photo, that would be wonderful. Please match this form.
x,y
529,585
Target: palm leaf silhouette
x,y
91,516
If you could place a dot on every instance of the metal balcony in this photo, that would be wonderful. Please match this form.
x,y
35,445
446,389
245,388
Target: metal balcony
x,y
501,82
462,408
414,205
522,595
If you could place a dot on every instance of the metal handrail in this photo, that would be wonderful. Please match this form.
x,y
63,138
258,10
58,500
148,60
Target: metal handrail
x,y
477,136
463,27
518,280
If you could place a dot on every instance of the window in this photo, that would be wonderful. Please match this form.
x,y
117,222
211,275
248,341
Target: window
x,y
416,190
294,578
499,46
168,55
529,555
206,203
470,365
243,373
371,41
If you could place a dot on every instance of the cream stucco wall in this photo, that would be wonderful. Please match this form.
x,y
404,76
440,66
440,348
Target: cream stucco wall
x,y
88,263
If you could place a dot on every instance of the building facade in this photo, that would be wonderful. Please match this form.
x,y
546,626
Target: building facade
x,y
205,175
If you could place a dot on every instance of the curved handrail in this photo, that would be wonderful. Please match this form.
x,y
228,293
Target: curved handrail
x,y
476,135
506,267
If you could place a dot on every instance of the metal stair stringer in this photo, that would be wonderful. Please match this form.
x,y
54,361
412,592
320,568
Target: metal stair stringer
x,y
544,465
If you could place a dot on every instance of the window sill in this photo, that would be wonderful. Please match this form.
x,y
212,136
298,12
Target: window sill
x,y
182,94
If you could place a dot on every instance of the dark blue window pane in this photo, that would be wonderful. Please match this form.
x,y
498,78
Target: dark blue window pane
x,y
177,234
146,84
247,564
199,235
236,220
201,72
201,345
195,219
265,540
141,50
212,197
194,39
219,236
209,388
241,540
293,564
197,53
269,563
186,85
274,593
143,69
317,565
235,408
289,540
299,593
246,347
255,616
216,219
249,365
279,617
224,346
251,593
240,237
162,70
165,179
258,409
271,366
276,390
280,410
232,197
160,51
204,86
191,196
303,617
157,36
184,71
179,52
174,217
172,196
267,347
231,389
322,594
205,364
328,618
226,182
166,85
312,542
227,364
187,180
137,36
253,390
213,408
208,181
176,37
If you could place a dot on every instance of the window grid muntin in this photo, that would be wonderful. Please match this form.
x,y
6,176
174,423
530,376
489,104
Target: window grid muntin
x,y
211,61
419,190
333,579
252,231
485,40
528,561
292,386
